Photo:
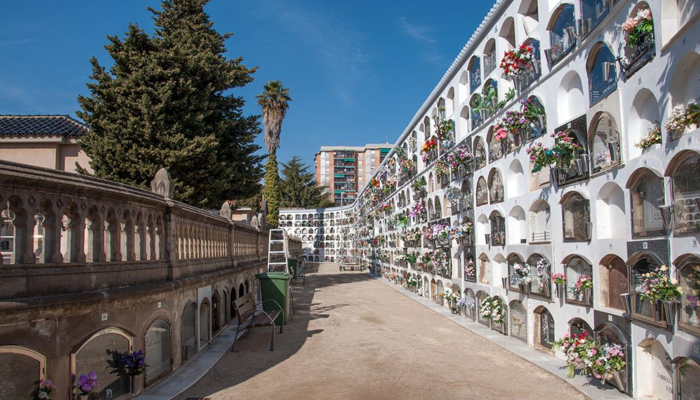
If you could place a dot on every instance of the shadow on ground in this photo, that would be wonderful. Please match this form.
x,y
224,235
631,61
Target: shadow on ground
x,y
252,355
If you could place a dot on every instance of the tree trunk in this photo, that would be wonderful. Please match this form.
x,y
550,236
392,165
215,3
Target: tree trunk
x,y
272,191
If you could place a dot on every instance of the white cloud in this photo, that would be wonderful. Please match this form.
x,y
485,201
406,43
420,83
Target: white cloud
x,y
423,35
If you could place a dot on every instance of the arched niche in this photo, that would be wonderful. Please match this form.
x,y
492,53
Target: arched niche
x,y
92,356
158,350
517,227
539,222
481,229
529,15
484,269
498,229
684,170
474,68
646,188
496,189
507,34
643,116
482,192
490,59
516,180
479,153
604,143
562,33
610,212
570,99
543,329
517,314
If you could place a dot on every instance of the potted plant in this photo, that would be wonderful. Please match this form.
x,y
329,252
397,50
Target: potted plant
x,y
43,389
85,384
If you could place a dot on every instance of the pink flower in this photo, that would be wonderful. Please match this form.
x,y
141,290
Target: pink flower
x,y
629,25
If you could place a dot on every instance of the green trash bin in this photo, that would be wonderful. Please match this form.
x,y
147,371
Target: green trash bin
x,y
275,286
293,264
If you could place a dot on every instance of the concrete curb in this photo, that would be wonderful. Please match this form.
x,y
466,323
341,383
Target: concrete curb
x,y
588,387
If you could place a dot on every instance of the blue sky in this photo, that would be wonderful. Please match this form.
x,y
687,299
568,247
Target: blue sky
x,y
357,70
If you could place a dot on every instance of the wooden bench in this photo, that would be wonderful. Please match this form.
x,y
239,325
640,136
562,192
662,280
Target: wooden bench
x,y
246,310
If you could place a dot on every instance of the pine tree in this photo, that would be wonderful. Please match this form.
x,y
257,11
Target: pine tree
x,y
298,187
167,102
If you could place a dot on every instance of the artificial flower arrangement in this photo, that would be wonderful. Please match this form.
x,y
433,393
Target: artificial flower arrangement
x,y
532,109
424,260
559,278
411,258
515,62
498,310
501,132
542,269
638,27
418,210
579,351
441,168
407,165
86,383
374,182
461,231
653,137
561,154
485,307
461,156
522,273
43,390
583,283
428,146
693,296
412,143
682,117
439,258
514,122
386,208
127,363
419,184
469,270
657,285
443,127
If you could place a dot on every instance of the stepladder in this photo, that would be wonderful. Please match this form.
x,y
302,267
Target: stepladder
x,y
278,252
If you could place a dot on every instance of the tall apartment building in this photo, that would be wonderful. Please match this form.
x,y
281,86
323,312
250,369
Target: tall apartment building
x,y
346,169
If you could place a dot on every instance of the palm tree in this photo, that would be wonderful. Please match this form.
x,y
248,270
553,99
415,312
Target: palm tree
x,y
274,101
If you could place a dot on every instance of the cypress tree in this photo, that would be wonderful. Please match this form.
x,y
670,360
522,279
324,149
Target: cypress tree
x,y
167,101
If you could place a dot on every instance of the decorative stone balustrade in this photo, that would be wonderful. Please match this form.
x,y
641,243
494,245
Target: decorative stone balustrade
x,y
65,233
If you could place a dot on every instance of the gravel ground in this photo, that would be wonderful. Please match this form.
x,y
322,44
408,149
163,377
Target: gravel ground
x,y
355,338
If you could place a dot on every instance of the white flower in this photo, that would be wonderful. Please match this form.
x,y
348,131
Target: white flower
x,y
644,14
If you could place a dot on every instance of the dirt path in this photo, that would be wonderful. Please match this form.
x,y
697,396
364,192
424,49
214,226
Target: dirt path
x,y
355,338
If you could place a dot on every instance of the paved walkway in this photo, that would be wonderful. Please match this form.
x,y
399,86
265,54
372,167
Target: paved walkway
x,y
354,337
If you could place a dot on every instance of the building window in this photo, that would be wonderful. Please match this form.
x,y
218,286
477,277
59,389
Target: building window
x,y
189,335
495,187
646,198
479,153
474,74
21,367
575,268
593,12
498,229
93,356
604,143
576,212
602,77
562,34
688,372
690,281
642,263
686,195
482,192
157,350
518,321
540,271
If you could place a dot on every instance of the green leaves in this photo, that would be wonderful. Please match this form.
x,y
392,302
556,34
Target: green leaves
x,y
167,101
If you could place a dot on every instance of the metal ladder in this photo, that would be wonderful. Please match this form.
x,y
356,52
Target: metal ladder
x,y
275,235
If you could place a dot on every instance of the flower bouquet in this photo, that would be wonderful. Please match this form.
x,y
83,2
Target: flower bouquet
x,y
514,62
653,137
485,308
638,28
579,351
658,287
608,362
43,390
540,156
419,184
86,383
682,117
559,280
461,156
584,288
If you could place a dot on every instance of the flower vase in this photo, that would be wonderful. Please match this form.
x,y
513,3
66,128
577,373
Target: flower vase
x,y
587,296
617,376
504,281
656,310
561,290
627,302
542,121
83,396
671,310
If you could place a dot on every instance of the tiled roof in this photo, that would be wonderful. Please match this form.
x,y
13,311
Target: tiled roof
x,y
41,125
